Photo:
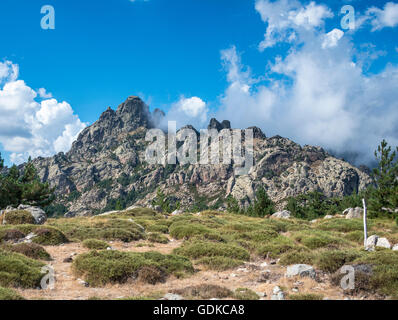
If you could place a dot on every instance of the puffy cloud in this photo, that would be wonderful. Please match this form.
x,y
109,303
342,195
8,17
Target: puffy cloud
x,y
381,18
332,38
29,127
187,111
315,93
288,20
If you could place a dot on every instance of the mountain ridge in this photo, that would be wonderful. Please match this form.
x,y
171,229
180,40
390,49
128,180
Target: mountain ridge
x,y
106,164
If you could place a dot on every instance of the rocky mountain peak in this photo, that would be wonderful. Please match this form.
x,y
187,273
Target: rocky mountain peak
x,y
214,124
133,113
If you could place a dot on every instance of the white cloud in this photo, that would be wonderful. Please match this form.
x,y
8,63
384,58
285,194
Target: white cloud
x,y
44,94
381,18
332,38
316,94
32,128
191,110
289,20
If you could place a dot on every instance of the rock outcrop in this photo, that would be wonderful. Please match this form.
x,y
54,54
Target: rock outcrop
x,y
107,164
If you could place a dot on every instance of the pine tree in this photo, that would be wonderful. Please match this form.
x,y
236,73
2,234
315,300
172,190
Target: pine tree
x,y
262,205
34,192
386,179
27,188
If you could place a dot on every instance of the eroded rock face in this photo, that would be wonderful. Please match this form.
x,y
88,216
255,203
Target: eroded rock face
x,y
107,163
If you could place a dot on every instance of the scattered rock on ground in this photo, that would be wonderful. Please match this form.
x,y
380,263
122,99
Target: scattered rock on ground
x,y
302,270
172,296
282,214
277,294
177,212
374,241
353,213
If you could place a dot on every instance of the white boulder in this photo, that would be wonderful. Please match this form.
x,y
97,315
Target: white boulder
x,y
302,270
282,214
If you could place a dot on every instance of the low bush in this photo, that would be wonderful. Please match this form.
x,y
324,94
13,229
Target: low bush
x,y
95,244
341,225
101,267
384,264
16,270
219,263
16,217
99,228
276,247
9,294
204,291
31,250
297,256
314,239
245,294
202,249
332,260
10,234
157,238
187,231
305,296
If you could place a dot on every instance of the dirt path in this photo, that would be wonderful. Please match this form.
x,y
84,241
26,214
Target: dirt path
x,y
68,287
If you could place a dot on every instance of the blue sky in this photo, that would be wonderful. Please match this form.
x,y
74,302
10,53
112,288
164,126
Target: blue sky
x,y
169,51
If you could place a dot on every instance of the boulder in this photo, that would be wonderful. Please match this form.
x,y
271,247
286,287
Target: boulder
x,y
328,217
37,213
177,212
395,247
371,242
302,270
376,241
277,294
281,215
383,243
353,213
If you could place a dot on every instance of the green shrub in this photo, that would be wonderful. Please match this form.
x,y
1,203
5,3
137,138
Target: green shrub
x,y
314,239
16,217
31,250
219,263
245,294
204,291
297,256
19,271
10,234
95,244
341,225
276,247
49,236
305,296
99,228
187,231
9,294
385,273
202,249
45,235
257,236
101,267
158,228
157,238
332,260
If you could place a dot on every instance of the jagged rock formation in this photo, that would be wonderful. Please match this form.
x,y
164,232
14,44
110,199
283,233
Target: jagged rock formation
x,y
107,163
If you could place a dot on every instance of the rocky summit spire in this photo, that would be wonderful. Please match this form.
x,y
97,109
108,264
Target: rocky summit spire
x,y
133,113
